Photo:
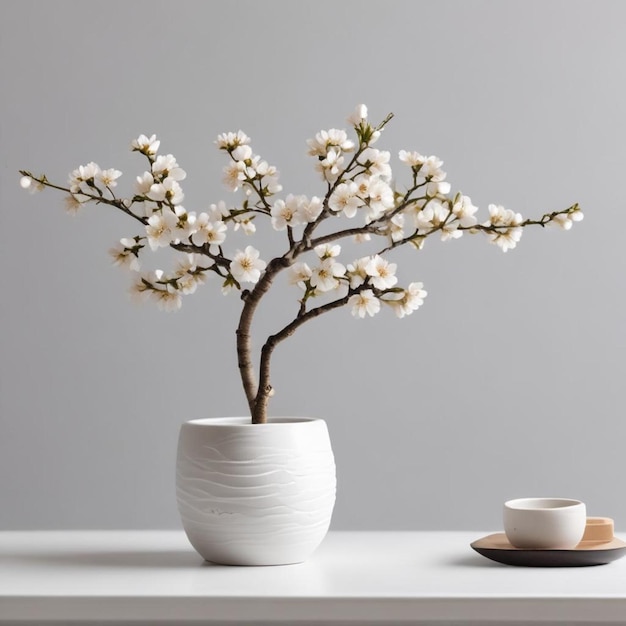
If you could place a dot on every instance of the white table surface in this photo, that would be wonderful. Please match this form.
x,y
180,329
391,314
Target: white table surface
x,y
354,577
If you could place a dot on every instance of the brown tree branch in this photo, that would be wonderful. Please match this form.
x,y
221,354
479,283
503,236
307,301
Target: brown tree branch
x,y
264,391
244,341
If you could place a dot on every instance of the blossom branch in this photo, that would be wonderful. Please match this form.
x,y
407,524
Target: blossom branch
x,y
99,199
367,134
543,221
362,187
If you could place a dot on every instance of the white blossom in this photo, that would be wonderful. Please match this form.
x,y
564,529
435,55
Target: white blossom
x,y
227,287
87,172
450,230
287,212
230,141
269,175
189,273
374,137
271,185
299,273
138,292
145,208
437,188
566,220
167,299
330,166
263,168
157,287
508,239
414,209
364,303
82,179
408,300
242,152
327,250
358,115
167,191
189,263
146,145
246,267
245,223
234,175
144,183
217,212
464,211
166,166
185,224
509,231
208,231
109,177
376,162
140,288
188,283
433,216
380,199
382,273
160,229
325,276
123,255
72,204
431,169
357,272
412,159
363,182
396,227
326,140
26,182
311,209
345,199
499,216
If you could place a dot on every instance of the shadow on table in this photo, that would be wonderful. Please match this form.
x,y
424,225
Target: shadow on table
x,y
142,558
474,560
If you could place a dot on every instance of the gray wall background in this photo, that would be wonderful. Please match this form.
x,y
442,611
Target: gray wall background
x,y
508,382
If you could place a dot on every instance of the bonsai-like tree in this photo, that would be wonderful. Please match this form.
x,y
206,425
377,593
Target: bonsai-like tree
x,y
360,200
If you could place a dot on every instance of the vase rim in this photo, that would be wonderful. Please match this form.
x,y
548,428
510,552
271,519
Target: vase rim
x,y
247,421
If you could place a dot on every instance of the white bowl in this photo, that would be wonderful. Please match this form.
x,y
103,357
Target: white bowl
x,y
545,523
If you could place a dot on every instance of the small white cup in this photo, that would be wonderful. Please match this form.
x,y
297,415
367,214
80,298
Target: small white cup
x,y
545,523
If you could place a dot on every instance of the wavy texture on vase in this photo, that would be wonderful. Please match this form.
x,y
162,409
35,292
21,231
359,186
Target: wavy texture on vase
x,y
255,494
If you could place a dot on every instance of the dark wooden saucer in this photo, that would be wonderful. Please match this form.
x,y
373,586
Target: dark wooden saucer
x,y
497,548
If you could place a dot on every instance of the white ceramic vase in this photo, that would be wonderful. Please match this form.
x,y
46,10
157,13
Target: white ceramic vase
x,y
255,494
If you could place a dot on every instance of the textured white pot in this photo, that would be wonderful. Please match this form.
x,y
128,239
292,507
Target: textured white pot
x,y
255,494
